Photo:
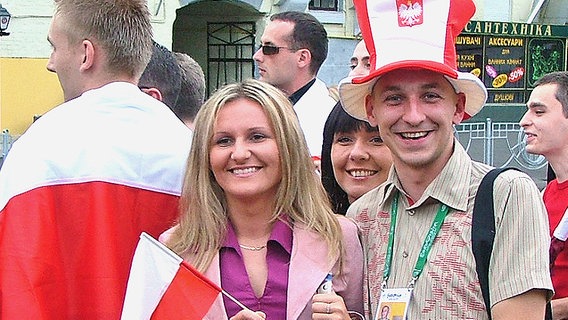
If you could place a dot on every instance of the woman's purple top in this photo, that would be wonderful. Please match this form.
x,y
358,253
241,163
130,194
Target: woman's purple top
x,y
235,281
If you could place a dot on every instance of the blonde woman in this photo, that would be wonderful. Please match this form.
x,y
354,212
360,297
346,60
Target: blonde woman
x,y
256,220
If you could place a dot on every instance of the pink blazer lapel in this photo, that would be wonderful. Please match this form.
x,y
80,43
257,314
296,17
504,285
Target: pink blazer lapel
x,y
309,264
308,267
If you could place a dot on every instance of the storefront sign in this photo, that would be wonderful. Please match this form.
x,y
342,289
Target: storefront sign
x,y
510,57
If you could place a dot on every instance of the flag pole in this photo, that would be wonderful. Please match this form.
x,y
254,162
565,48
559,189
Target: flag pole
x,y
234,300
163,247
178,258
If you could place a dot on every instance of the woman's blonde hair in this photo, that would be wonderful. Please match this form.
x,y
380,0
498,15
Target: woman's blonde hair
x,y
203,208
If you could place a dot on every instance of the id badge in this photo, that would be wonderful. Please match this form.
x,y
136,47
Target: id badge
x,y
393,304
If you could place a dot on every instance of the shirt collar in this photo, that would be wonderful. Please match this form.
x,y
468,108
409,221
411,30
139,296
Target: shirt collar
x,y
295,97
281,234
443,188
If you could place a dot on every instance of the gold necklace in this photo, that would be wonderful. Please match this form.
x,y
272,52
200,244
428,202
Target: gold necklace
x,y
251,248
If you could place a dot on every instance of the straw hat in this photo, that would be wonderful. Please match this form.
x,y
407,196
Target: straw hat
x,y
412,34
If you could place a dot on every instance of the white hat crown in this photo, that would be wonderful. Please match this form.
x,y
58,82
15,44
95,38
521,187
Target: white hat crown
x,y
412,34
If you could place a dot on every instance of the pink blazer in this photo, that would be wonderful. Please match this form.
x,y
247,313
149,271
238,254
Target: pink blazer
x,y
308,267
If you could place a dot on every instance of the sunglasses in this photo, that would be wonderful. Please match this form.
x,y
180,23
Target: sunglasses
x,y
268,50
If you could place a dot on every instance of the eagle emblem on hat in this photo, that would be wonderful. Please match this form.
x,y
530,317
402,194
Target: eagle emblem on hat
x,y
409,13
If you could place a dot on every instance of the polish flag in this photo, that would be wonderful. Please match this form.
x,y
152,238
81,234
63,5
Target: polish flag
x,y
163,286
76,190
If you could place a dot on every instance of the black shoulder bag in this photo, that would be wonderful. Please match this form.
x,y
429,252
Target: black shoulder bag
x,y
483,234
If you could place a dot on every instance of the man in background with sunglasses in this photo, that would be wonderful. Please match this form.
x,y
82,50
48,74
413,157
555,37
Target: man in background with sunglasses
x,y
293,48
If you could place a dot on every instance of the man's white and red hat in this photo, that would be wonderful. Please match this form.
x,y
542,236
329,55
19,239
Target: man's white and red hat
x,y
412,34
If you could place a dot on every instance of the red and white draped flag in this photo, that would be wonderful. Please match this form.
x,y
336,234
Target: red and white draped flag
x,y
163,286
76,191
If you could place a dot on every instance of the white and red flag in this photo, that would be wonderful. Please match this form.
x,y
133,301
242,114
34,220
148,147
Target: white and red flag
x,y
163,286
76,191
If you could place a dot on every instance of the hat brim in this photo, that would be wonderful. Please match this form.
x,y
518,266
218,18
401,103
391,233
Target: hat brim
x,y
353,90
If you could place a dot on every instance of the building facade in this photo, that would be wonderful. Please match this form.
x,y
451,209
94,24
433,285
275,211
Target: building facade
x,y
222,37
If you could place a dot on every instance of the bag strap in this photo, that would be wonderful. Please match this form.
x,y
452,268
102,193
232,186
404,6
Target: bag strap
x,y
483,235
483,231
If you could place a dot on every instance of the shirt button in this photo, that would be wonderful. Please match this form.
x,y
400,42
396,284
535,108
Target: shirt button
x,y
411,212
405,254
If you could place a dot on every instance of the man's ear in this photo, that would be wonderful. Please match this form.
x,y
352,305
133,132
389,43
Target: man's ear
x,y
88,55
304,58
460,108
153,92
369,109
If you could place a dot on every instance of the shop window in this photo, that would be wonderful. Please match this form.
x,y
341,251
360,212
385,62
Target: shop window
x,y
324,5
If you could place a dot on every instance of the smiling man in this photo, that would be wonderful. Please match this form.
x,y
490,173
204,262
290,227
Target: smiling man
x,y
293,48
417,225
546,126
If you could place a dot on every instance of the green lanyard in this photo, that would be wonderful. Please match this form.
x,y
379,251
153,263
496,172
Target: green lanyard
x,y
426,246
